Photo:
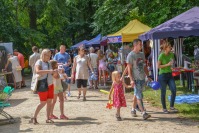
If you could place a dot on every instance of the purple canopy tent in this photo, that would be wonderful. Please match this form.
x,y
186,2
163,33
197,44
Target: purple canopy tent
x,y
79,44
97,41
183,25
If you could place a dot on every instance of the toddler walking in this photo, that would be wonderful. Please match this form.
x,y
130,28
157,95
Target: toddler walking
x,y
118,93
58,90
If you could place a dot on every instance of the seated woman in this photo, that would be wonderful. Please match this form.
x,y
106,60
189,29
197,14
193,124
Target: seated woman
x,y
15,70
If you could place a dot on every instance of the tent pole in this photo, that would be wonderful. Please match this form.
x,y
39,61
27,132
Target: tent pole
x,y
123,63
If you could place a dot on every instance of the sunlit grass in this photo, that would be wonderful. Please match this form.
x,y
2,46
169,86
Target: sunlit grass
x,y
185,110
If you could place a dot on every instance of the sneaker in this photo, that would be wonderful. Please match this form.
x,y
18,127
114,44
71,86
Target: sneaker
x,y
166,111
174,110
53,117
133,113
69,94
146,116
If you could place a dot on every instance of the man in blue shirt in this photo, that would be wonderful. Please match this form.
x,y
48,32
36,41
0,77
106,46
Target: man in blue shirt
x,y
63,58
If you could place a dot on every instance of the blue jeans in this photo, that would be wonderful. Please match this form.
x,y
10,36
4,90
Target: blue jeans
x,y
164,80
68,73
138,89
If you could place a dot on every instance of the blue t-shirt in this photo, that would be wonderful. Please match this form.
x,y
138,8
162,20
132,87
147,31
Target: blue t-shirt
x,y
62,58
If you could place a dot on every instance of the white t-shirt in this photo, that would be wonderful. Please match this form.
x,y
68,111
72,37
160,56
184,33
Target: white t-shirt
x,y
45,66
82,67
93,60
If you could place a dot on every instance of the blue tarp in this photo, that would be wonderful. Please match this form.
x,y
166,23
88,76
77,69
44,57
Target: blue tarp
x,y
79,44
183,25
191,98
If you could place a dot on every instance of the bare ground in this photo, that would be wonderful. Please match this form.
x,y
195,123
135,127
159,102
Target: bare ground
x,y
90,117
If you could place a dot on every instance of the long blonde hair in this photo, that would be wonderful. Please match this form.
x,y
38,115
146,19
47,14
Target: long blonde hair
x,y
114,74
100,54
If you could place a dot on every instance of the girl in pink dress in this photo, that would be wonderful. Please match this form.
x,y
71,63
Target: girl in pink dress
x,y
102,67
118,93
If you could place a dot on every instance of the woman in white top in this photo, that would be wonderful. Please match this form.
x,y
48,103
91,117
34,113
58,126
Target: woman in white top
x,y
45,88
16,71
81,64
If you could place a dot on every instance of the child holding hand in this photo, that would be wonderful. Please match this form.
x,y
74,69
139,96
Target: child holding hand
x,y
118,93
58,90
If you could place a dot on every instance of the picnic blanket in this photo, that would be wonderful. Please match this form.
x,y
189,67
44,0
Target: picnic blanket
x,y
188,98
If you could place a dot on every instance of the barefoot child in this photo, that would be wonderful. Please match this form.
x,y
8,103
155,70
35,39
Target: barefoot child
x,y
118,93
58,90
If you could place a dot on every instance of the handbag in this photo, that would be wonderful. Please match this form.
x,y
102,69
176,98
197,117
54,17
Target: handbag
x,y
34,82
18,68
64,85
42,85
39,85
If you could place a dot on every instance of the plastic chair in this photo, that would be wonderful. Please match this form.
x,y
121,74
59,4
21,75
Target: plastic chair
x,y
8,92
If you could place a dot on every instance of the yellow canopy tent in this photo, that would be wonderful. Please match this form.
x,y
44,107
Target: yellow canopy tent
x,y
131,31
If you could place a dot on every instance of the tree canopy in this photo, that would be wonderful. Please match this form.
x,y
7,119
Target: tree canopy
x,y
49,23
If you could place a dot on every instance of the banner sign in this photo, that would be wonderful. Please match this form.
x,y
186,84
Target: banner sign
x,y
114,39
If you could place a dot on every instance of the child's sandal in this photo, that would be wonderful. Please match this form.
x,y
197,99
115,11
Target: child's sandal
x,y
49,121
118,117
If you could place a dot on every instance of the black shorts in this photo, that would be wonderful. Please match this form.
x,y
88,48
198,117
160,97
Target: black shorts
x,y
81,83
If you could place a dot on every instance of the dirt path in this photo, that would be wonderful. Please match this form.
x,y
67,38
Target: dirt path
x,y
90,117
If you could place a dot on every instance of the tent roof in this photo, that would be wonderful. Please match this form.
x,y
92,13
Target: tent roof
x,y
131,31
183,25
79,44
94,40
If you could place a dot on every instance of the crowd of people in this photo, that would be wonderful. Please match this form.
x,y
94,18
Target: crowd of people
x,y
55,71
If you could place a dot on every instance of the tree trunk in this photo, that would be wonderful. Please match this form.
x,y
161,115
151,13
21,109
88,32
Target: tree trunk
x,y
33,17
33,20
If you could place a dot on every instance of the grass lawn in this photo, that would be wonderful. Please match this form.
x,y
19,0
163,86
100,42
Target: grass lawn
x,y
185,110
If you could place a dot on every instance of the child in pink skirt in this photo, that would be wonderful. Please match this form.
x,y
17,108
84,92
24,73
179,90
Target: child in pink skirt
x,y
118,93
102,67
